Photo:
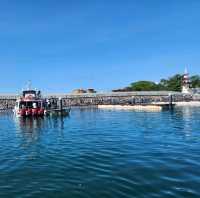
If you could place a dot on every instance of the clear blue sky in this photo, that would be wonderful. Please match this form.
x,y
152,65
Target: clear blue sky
x,y
61,45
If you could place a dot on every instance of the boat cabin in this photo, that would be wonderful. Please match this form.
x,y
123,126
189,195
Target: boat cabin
x,y
30,103
31,94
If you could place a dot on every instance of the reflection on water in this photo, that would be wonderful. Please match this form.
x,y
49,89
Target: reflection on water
x,y
187,116
32,124
31,128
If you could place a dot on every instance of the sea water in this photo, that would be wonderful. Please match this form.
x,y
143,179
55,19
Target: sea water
x,y
101,154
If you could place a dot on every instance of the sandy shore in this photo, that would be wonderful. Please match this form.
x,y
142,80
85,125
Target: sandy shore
x,y
191,103
128,107
148,107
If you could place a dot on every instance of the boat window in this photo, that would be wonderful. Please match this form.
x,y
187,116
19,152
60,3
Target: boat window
x,y
26,104
22,104
36,104
29,104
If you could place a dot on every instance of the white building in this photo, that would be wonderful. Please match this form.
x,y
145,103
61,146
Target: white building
x,y
186,83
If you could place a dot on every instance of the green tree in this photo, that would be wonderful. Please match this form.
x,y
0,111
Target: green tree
x,y
144,86
195,81
174,83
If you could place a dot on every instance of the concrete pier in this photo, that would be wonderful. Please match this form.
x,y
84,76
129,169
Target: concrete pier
x,y
113,98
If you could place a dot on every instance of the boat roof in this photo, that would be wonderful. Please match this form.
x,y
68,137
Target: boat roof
x,y
31,92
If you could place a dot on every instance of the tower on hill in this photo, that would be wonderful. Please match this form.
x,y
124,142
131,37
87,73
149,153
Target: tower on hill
x,y
186,82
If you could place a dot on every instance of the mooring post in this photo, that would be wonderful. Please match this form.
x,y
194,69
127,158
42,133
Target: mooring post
x,y
170,101
133,100
60,104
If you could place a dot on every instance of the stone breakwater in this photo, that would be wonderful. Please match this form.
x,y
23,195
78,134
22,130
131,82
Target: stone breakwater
x,y
7,104
126,98
120,98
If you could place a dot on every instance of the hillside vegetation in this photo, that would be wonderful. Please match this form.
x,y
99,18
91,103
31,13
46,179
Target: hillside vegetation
x,y
173,83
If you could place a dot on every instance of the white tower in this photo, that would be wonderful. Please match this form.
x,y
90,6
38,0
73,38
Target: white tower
x,y
186,83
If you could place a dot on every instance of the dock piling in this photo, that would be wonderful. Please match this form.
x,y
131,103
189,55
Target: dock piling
x,y
170,101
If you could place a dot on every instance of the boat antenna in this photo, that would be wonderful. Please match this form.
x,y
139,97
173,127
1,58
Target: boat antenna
x,y
29,85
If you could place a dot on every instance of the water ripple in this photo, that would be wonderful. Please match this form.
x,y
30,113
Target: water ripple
x,y
96,153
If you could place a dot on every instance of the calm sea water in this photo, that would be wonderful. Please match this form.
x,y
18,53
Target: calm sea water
x,y
101,154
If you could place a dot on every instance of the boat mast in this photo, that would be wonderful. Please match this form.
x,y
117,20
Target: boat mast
x,y
29,85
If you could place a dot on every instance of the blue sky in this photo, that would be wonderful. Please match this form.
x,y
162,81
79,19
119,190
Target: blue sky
x,y
61,45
